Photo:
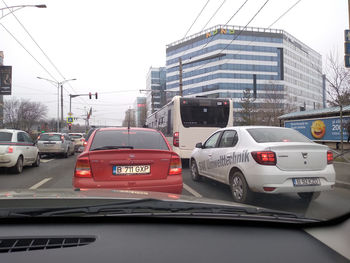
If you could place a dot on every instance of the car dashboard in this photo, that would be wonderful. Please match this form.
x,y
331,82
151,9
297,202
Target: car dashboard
x,y
168,240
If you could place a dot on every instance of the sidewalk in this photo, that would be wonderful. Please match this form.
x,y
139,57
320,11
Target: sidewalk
x,y
342,177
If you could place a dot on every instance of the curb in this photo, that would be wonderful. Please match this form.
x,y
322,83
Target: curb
x,y
342,184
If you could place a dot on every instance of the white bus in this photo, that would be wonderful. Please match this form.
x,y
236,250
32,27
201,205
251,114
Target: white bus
x,y
187,121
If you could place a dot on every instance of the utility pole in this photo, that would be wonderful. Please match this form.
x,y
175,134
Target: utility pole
x,y
180,75
61,104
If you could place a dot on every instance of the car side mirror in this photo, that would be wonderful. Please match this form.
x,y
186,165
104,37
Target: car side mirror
x,y
199,145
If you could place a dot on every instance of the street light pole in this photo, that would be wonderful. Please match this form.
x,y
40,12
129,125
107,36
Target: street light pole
x,y
58,98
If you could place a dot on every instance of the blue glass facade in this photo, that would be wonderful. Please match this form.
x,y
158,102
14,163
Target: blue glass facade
x,y
155,86
221,62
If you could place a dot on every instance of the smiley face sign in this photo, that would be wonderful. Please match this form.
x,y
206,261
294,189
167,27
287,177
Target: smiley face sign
x,y
318,129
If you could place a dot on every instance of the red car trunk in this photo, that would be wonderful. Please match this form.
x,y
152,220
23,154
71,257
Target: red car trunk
x,y
128,165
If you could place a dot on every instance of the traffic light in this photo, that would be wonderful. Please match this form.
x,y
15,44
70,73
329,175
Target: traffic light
x,y
69,126
90,95
96,95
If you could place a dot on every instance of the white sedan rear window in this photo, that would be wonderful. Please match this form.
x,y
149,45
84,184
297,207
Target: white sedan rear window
x,y
5,136
262,135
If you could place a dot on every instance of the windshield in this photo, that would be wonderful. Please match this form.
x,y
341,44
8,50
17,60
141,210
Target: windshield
x,y
133,139
234,103
75,136
262,135
50,137
204,112
5,136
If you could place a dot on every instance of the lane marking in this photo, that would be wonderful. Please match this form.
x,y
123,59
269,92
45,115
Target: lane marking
x,y
37,185
191,190
45,160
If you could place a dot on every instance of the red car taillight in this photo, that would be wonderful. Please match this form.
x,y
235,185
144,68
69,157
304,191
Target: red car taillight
x,y
329,157
176,139
82,168
10,149
175,165
265,158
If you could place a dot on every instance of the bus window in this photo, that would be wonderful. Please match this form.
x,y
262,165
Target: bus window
x,y
204,113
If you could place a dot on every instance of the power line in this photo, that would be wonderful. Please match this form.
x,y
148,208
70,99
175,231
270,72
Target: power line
x,y
240,32
246,25
44,53
290,8
211,39
217,10
196,18
29,53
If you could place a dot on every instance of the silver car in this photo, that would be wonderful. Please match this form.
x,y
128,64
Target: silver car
x,y
55,143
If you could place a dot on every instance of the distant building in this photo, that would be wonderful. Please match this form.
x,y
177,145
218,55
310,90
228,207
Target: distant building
x,y
155,86
224,61
140,111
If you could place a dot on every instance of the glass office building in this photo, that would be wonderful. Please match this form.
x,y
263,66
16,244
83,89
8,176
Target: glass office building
x,y
155,89
224,61
140,111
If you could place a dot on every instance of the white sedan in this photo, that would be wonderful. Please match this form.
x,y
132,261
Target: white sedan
x,y
264,159
17,149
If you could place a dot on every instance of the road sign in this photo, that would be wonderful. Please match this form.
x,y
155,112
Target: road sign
x,y
5,80
70,119
347,61
347,47
347,35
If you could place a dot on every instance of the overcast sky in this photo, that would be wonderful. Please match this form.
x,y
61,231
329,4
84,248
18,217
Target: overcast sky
x,y
109,46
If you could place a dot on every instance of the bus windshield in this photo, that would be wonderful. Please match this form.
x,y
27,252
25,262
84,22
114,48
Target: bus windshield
x,y
201,112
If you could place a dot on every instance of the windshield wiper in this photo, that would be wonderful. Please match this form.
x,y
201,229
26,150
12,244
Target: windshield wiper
x,y
112,147
154,207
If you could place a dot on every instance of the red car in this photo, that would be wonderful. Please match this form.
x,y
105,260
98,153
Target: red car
x,y
135,158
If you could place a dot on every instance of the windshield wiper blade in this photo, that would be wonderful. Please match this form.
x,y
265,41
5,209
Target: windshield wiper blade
x,y
155,207
112,148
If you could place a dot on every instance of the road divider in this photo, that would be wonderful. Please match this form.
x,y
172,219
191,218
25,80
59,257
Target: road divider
x,y
37,185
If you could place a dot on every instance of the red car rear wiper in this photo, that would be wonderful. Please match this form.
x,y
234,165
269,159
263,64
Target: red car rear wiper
x,y
111,148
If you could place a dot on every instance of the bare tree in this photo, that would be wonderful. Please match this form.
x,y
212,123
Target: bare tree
x,y
23,114
248,112
338,90
275,105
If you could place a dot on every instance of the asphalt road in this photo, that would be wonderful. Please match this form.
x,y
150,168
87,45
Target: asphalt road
x,y
57,172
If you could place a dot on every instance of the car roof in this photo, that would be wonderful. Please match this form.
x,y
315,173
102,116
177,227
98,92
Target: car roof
x,y
252,127
126,128
10,130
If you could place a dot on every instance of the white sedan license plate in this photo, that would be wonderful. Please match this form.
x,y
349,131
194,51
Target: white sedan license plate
x,y
132,169
306,181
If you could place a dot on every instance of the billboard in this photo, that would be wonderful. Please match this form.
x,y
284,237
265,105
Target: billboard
x,y
320,129
5,80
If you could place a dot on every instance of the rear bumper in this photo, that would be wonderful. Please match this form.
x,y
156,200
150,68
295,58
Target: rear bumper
x,y
172,184
7,160
270,176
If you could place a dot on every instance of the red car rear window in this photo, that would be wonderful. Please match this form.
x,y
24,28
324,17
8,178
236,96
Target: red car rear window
x,y
136,139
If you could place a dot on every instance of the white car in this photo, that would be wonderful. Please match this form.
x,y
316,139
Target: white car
x,y
17,149
264,159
